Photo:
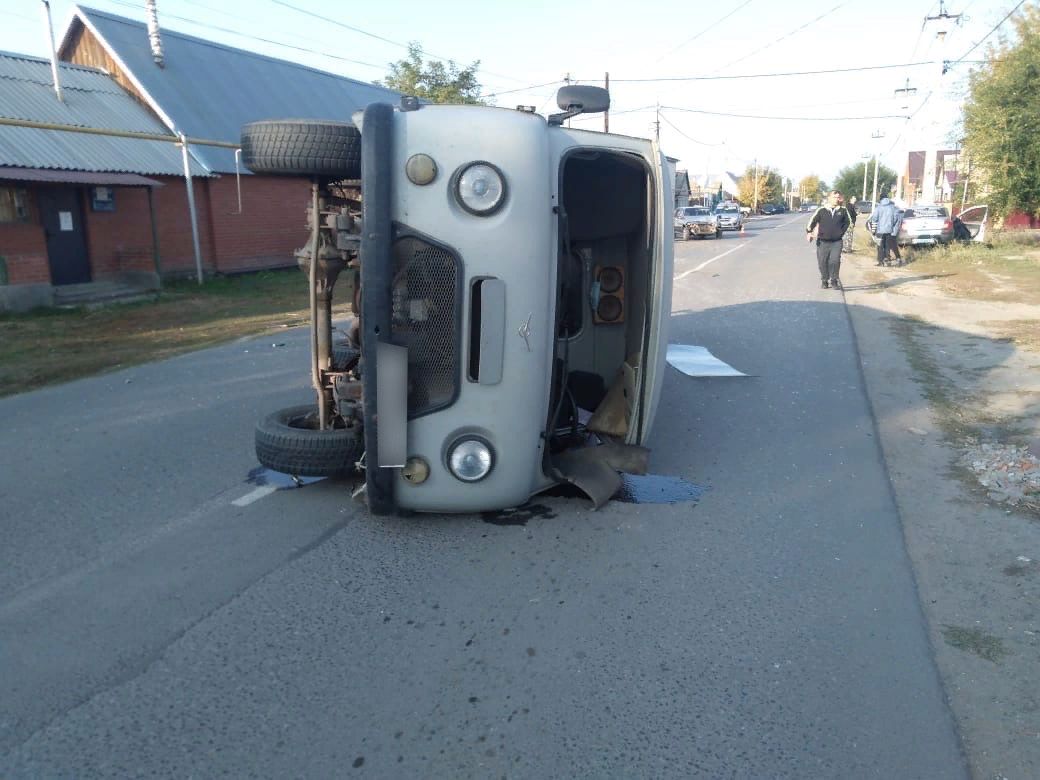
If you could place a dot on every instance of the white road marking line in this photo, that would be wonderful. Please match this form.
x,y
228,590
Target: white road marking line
x,y
684,274
255,495
789,222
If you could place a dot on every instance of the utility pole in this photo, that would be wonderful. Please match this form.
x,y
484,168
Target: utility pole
x,y
875,135
754,198
657,125
945,20
865,157
606,114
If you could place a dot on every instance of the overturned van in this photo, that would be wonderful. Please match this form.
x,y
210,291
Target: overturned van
x,y
511,279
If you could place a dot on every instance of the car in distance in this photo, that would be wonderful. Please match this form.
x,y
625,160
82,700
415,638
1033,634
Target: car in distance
x,y
925,225
696,221
730,217
922,225
864,206
807,207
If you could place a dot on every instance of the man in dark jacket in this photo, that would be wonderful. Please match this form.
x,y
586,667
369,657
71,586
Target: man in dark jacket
x,y
827,227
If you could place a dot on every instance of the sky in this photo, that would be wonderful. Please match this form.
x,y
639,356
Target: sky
x,y
797,125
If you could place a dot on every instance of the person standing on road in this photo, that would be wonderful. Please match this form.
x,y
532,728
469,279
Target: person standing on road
x,y
887,218
850,234
827,227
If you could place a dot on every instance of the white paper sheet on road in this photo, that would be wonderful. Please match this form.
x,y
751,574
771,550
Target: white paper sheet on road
x,y
698,361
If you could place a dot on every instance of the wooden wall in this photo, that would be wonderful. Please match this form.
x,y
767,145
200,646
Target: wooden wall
x,y
85,49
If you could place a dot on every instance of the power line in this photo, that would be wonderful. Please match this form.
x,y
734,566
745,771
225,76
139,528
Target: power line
x,y
909,119
772,75
248,36
984,37
688,138
522,89
786,118
711,26
613,113
788,35
358,30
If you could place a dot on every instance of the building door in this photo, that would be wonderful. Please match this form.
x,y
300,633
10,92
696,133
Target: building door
x,y
62,219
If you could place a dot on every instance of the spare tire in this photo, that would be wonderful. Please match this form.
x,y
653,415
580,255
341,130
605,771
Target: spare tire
x,y
289,441
302,147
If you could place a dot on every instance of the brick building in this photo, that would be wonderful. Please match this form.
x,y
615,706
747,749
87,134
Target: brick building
x,y
78,207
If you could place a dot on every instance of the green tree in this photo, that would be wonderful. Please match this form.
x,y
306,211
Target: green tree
x,y
1001,116
850,180
434,80
770,186
812,188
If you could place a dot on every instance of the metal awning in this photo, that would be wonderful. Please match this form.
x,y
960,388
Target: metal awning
x,y
78,177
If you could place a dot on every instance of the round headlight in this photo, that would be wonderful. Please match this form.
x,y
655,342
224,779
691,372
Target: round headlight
x,y
480,188
470,459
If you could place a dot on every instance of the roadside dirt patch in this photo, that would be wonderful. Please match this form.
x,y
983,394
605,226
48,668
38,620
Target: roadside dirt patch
x,y
965,472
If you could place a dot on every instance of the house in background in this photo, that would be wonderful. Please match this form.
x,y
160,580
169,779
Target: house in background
x,y
706,188
78,207
682,189
197,89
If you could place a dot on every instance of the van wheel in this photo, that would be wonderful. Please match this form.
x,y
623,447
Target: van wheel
x,y
289,441
302,147
685,234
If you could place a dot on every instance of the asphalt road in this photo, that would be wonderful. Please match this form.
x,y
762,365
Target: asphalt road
x,y
151,625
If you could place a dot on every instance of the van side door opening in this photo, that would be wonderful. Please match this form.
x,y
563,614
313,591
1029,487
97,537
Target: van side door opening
x,y
604,278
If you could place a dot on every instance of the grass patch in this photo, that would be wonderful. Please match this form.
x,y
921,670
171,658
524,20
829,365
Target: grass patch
x,y
56,345
1007,270
972,640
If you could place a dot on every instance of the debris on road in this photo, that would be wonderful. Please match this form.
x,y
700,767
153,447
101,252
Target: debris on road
x,y
1010,474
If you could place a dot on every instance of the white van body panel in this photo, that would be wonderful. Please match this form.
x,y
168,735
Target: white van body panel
x,y
519,246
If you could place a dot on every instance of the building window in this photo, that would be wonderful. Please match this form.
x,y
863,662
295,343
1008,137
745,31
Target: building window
x,y
14,205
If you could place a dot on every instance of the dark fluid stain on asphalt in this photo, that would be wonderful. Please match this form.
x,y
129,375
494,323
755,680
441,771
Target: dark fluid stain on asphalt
x,y
262,476
656,489
518,516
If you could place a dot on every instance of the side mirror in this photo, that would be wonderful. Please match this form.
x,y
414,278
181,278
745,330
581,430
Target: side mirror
x,y
590,100
577,99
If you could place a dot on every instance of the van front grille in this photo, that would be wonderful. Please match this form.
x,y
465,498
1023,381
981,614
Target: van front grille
x,y
426,319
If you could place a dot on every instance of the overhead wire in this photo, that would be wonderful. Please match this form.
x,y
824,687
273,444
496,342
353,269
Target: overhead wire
x,y
778,74
785,118
671,124
785,36
710,27
249,36
390,41
984,37
523,89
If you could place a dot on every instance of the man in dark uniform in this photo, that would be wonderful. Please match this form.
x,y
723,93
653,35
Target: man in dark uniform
x,y
827,227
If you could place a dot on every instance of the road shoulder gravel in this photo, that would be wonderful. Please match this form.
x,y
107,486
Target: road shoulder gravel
x,y
975,549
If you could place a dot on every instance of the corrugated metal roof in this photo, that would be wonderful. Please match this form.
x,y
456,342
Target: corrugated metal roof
x,y
78,177
210,90
92,99
29,147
